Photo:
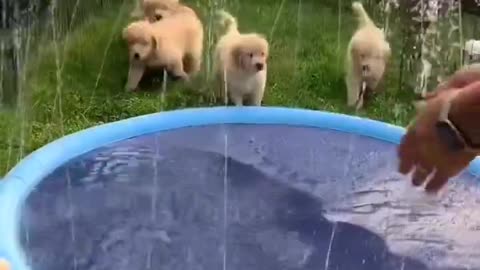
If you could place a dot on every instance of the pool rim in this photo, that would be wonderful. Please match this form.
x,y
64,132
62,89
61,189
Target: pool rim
x,y
29,172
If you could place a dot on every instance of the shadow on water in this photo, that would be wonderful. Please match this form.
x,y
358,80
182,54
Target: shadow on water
x,y
333,245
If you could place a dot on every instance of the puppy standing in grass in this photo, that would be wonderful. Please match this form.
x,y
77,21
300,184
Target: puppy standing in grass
x,y
240,63
367,57
166,44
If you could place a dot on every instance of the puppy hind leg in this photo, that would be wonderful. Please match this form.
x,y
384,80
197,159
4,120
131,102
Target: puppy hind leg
x,y
196,60
176,68
197,52
195,64
191,64
187,63
135,74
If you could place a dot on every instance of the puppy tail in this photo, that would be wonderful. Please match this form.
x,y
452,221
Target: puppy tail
x,y
362,15
228,22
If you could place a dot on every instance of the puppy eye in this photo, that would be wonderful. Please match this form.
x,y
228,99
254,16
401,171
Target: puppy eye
x,y
158,17
263,54
251,55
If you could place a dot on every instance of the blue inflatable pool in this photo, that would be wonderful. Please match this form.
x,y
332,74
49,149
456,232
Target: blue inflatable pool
x,y
231,188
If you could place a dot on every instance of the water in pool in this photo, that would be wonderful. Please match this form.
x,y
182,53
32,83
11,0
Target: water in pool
x,y
245,197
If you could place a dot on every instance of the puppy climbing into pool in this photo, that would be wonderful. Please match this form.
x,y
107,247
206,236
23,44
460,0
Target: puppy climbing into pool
x,y
240,63
368,54
175,43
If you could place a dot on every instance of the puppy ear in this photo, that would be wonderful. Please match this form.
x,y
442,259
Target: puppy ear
x,y
237,55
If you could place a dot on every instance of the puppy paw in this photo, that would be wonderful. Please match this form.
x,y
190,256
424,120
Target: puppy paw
x,y
351,104
129,88
182,76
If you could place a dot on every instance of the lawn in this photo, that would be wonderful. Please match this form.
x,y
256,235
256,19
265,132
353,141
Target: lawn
x,y
78,82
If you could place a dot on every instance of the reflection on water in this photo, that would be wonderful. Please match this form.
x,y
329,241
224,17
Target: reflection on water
x,y
291,205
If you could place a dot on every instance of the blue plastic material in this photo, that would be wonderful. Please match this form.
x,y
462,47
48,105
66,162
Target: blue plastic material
x,y
21,180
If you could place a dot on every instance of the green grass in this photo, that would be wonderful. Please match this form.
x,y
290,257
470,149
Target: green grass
x,y
305,71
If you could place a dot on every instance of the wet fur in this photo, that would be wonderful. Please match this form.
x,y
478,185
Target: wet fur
x,y
240,63
166,44
367,47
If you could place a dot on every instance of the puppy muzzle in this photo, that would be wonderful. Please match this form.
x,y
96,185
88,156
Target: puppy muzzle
x,y
259,66
365,69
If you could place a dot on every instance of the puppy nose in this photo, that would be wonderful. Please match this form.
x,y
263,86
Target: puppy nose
x,y
136,56
365,68
259,66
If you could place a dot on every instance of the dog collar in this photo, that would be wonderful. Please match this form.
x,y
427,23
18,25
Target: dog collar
x,y
450,134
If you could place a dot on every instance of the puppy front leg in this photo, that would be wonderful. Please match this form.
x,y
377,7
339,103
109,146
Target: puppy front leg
x,y
221,89
257,97
353,89
236,98
135,74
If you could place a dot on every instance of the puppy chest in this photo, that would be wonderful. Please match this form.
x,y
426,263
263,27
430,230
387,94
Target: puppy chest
x,y
246,84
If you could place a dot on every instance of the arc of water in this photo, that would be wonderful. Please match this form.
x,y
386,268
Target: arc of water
x,y
299,37
113,33
59,84
21,57
330,245
72,217
277,17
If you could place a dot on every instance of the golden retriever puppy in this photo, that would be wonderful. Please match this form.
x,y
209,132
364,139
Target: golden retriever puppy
x,y
144,6
367,57
164,45
156,10
241,63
